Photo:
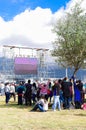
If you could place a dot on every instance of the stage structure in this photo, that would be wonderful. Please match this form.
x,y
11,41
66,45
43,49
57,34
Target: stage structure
x,y
24,62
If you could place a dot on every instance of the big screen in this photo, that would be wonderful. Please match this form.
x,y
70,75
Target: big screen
x,y
24,65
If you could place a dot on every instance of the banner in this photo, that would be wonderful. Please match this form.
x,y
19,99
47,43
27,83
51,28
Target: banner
x,y
24,65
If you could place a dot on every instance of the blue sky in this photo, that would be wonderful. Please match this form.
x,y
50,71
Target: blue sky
x,y
10,8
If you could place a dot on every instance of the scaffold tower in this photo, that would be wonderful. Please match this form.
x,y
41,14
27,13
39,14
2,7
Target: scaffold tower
x,y
10,52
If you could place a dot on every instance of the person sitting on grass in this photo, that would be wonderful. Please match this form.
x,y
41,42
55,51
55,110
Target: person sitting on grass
x,y
42,105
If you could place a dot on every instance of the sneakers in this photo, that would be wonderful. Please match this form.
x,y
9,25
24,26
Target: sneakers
x,y
54,110
58,110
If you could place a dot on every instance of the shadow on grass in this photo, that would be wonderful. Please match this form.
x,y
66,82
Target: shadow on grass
x,y
13,106
81,114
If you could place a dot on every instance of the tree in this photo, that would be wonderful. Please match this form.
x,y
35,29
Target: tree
x,y
69,48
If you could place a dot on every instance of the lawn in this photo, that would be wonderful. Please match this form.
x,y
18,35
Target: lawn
x,y
15,117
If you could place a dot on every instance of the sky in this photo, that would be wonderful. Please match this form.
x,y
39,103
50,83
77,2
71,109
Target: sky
x,y
10,8
29,22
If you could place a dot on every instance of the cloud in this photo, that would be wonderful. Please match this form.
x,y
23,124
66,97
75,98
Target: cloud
x,y
71,3
32,28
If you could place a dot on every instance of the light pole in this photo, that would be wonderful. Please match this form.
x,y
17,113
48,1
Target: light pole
x,y
66,72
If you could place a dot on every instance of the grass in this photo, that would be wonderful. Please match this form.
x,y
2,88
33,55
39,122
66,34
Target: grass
x,y
15,117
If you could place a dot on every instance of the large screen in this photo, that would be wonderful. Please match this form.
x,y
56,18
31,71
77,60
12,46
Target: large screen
x,y
24,65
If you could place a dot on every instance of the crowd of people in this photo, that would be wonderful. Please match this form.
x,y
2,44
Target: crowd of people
x,y
57,94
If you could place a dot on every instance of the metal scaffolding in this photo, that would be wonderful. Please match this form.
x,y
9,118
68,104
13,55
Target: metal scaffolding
x,y
10,52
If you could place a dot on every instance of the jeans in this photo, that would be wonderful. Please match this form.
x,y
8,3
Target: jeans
x,y
20,100
38,106
7,94
67,102
56,103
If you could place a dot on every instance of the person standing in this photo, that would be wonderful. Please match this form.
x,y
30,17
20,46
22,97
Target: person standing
x,y
56,94
66,84
20,92
28,93
12,91
7,92
78,94
34,92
